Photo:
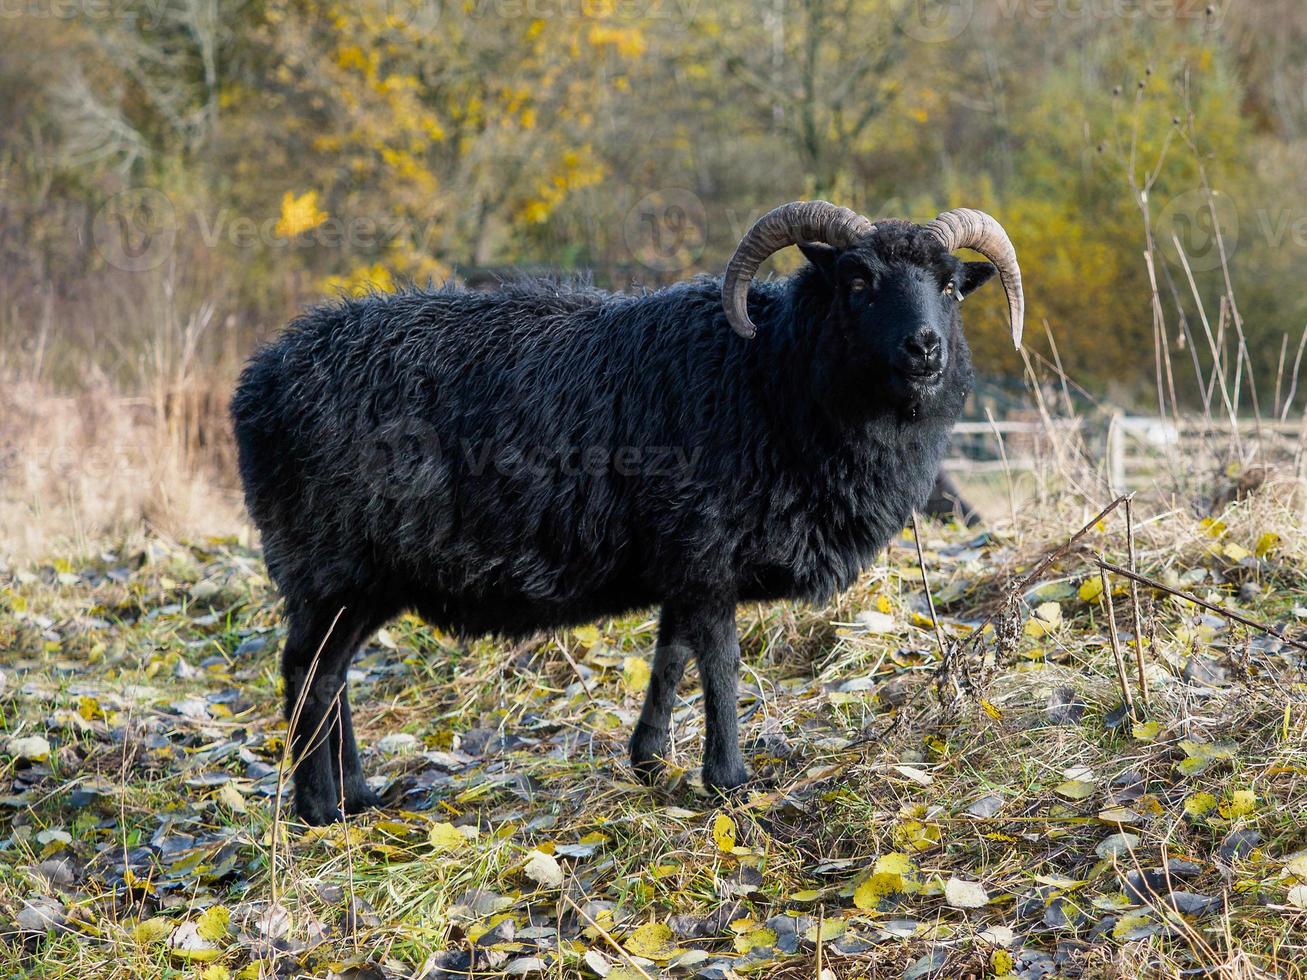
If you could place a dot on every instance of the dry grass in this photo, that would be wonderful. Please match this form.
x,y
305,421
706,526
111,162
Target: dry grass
x,y
153,676
80,470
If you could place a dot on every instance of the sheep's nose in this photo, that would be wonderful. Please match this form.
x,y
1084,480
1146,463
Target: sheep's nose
x,y
924,348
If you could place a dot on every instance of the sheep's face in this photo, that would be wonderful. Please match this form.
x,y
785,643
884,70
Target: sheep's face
x,y
895,300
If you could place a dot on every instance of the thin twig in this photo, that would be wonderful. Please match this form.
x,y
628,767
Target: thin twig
x,y
930,604
1134,602
1043,563
579,676
606,935
821,927
1211,607
1121,676
286,753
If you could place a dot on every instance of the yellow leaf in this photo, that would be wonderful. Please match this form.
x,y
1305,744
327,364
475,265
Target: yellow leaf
x,y
445,837
723,832
874,888
586,635
1201,755
936,745
1002,963
1046,618
758,937
299,214
830,929
1128,923
1090,589
916,835
653,941
895,862
213,922
1240,803
991,710
1075,789
635,674
1267,543
185,942
1235,552
1146,731
1199,804
150,931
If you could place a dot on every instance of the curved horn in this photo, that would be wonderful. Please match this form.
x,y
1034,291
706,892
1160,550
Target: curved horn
x,y
968,228
799,221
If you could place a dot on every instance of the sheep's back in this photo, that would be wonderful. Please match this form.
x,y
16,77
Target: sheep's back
x,y
471,448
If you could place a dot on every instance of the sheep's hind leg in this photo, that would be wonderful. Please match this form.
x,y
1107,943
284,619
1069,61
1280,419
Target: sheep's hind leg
x,y
321,640
649,741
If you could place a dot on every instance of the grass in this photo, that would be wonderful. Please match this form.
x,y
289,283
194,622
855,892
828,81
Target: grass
x,y
904,821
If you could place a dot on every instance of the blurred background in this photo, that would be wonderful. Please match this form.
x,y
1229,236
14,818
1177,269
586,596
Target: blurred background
x,y
179,177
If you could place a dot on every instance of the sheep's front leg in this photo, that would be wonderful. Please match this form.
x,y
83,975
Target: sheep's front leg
x,y
708,631
649,741
718,652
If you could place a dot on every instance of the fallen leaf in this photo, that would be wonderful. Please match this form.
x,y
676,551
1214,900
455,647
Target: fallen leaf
x,y
723,832
34,748
1146,731
445,837
213,922
1240,803
1075,789
653,941
1199,804
965,894
186,943
543,869
149,931
1117,845
635,674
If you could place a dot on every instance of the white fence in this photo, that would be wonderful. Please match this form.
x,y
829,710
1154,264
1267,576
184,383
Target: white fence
x,y
1133,452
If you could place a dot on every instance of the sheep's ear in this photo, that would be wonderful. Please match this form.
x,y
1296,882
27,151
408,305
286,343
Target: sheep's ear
x,y
822,257
975,275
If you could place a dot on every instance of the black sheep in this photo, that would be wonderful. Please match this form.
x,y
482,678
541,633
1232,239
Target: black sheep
x,y
549,454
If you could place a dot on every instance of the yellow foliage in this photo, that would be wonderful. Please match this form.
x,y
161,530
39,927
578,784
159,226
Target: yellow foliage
x,y
627,42
299,214
361,281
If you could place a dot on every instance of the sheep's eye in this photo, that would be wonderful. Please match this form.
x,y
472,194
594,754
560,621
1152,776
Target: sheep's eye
x,y
858,285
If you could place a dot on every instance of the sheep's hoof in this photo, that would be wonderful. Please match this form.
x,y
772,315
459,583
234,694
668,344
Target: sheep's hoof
x,y
361,798
648,748
726,777
317,812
